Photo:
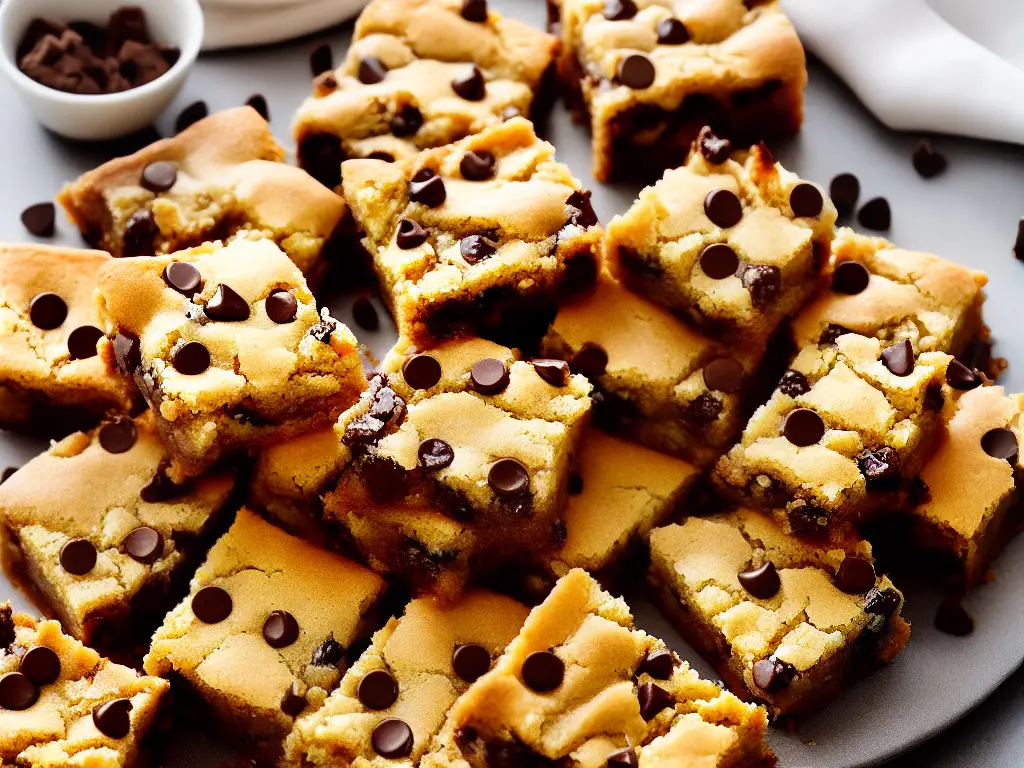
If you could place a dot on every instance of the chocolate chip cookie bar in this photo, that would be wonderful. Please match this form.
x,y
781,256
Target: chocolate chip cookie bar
x,y
657,381
62,704
228,347
648,74
261,635
102,534
394,699
479,237
421,74
580,687
785,623
222,177
733,243
56,366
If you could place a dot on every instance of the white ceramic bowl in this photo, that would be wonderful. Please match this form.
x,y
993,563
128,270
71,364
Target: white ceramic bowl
x,y
107,116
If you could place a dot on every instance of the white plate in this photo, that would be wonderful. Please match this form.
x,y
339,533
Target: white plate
x,y
247,23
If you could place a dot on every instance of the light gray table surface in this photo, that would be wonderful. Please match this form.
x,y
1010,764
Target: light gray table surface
x,y
969,214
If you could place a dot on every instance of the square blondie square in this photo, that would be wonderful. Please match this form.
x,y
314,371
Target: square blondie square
x,y
262,634
56,366
580,687
394,699
102,534
222,177
734,244
421,74
476,238
648,74
62,704
657,380
228,347
784,622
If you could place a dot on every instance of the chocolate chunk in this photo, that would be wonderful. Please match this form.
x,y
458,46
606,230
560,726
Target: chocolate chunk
x,y
881,602
582,213
723,375
392,739
118,435
1018,244
471,86
773,674
653,698
364,314
806,520
476,248
794,384
280,629
321,59
554,372
435,454
803,427
881,469
40,664
159,176
227,306
672,31
928,162
543,671
411,234
1000,443
474,10
704,409
723,208
952,619
855,576
190,115
294,700
281,306
427,188
471,661
144,544
636,71
47,311
715,149
127,352
82,342
183,277
850,277
762,582
140,233
191,359
259,102
591,360
764,282
844,191
899,358
17,692
489,376
328,654
806,200
619,10
960,377
371,70
508,478
719,261
39,219
78,557
421,371
477,166
211,605
659,664
623,758
875,214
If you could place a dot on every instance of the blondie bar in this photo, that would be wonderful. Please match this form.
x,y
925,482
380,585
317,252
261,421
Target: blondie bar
x,y
102,534
784,622
732,243
228,347
62,704
262,634
394,699
422,74
648,74
220,178
581,688
481,236
56,365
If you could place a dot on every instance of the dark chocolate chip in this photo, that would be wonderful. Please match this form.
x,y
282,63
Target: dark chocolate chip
x,y
280,629
508,478
385,479
960,377
211,605
952,619
477,166
371,70
489,376
653,699
259,102
421,371
471,86
934,398
191,359
764,281
659,664
881,469
78,557
723,208
140,233
575,484
619,10
17,692
672,31
704,410
831,333
723,375
875,214
918,492
1000,443
591,360
39,219
434,453
1018,244
719,261
636,71
773,674
392,739
881,602
762,582
427,189
227,306
855,576
543,671
144,544
82,342
471,661
554,372
183,277
850,277
407,122
40,664
386,157
794,384
281,306
190,115
715,149
321,59
127,352
474,10
623,758
47,311
364,314
118,435
806,520
844,191
899,358
294,700
806,200
476,248
159,176
328,654
928,162
803,427
411,234
583,214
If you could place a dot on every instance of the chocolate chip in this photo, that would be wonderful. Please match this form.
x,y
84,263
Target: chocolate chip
x,y
764,282
952,619
127,352
47,311
1018,245
159,176
806,200
762,582
715,149
407,122
371,70
851,278
960,377
918,492
794,384
421,371
583,214
723,375
476,248
881,602
508,478
294,700
281,306
183,277
623,758
280,629
575,484
489,376
364,314
672,31
78,557
619,10
435,454
259,102
1000,443
855,576
934,398
39,219
474,10
427,188
140,233
471,661
211,605
411,234
82,342
40,664
881,469
636,71
471,86
191,359
554,372
875,214
477,166
653,698
118,435
227,306
328,654
831,333
113,719
899,358
928,162
190,115
6,475
719,261
392,739
773,674
17,692
803,427
321,59
144,544
543,671
704,409
659,664
806,520
844,191
591,360
723,208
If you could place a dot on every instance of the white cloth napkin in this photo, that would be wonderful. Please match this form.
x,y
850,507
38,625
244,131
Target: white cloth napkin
x,y
243,23
915,70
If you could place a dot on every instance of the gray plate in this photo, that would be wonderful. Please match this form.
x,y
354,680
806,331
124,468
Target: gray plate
x,y
969,215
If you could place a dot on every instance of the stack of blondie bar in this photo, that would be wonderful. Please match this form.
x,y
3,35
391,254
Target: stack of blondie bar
x,y
337,567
